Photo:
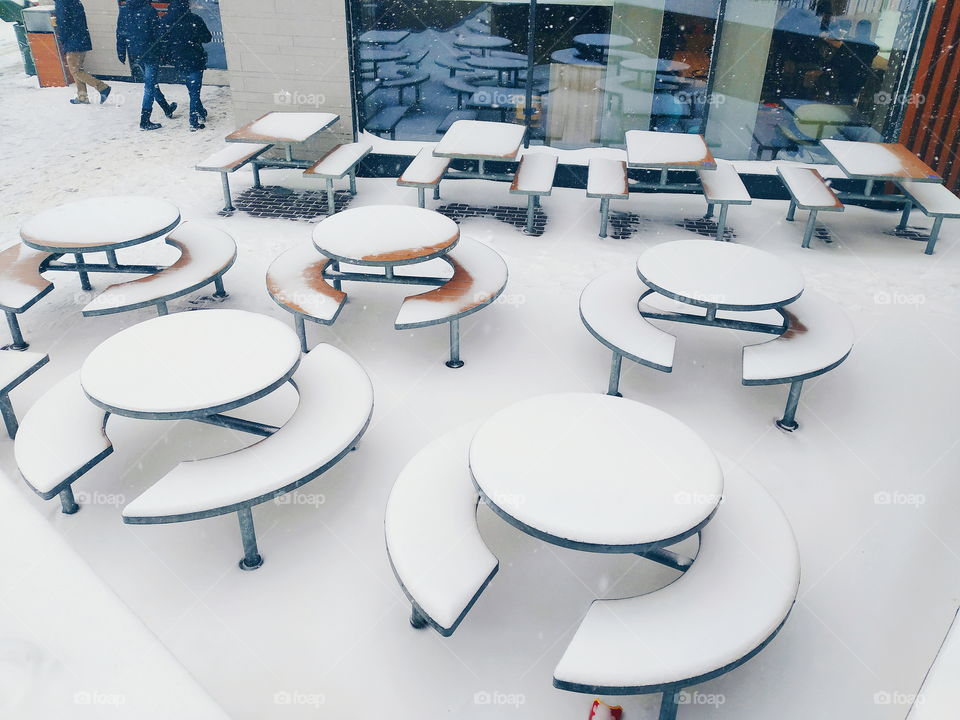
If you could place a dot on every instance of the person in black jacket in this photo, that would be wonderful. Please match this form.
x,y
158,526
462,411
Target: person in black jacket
x,y
74,39
138,37
183,35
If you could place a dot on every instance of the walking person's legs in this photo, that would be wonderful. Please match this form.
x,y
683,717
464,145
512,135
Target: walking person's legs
x,y
149,93
194,81
82,78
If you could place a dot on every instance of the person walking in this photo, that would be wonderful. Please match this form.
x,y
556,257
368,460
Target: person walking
x,y
74,39
184,33
138,37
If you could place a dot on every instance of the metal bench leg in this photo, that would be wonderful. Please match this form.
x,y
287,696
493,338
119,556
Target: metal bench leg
x,y
18,342
331,198
353,182
709,211
9,418
256,176
614,387
417,620
112,258
221,291
251,556
530,209
722,221
84,278
68,504
811,226
905,218
455,361
421,197
301,327
436,191
227,199
788,422
161,309
792,212
604,216
934,234
668,705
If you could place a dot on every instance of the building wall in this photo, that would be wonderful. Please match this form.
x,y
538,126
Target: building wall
x,y
931,127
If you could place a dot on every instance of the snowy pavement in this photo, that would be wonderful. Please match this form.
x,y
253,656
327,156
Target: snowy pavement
x,y
869,481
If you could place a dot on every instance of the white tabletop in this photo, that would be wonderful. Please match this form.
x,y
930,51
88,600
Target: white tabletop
x,y
650,149
879,161
384,37
481,140
283,128
596,472
385,235
482,42
723,275
190,364
98,224
604,40
648,64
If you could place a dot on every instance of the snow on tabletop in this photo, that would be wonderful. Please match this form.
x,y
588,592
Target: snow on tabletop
x,y
646,148
385,234
723,183
808,188
99,222
596,469
442,563
740,588
63,418
480,273
936,199
607,177
479,138
295,279
190,361
20,278
336,400
868,159
721,274
227,157
536,173
939,695
71,647
819,335
285,127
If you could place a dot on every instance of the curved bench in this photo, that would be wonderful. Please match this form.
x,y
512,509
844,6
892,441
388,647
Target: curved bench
x,y
479,276
206,253
726,608
21,286
608,309
336,402
60,439
15,367
442,564
295,282
819,336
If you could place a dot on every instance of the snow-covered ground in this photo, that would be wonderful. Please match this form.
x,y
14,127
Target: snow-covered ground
x,y
869,482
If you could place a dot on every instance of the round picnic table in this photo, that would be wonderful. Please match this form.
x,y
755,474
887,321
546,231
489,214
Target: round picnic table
x,y
653,65
719,276
385,236
377,55
483,43
596,473
190,365
503,65
102,224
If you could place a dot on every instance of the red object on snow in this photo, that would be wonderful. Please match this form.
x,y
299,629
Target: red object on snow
x,y
602,711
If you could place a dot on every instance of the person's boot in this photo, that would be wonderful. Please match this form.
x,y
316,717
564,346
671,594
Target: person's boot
x,y
196,122
203,113
168,108
104,94
79,101
146,123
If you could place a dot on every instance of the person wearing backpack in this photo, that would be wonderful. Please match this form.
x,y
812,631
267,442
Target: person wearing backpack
x,y
138,37
184,34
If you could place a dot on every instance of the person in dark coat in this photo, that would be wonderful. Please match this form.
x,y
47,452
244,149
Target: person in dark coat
x,y
74,39
138,37
183,35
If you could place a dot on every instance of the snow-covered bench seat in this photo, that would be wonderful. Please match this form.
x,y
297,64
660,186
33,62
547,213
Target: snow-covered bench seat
x,y
230,159
434,546
341,160
21,286
936,202
939,695
607,180
206,253
722,186
295,282
425,171
336,402
808,191
15,367
819,336
534,178
479,276
61,438
386,121
608,309
720,613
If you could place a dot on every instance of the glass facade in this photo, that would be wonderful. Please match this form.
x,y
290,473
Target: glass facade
x,y
759,78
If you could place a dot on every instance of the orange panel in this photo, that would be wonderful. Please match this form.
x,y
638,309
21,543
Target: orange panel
x,y
46,55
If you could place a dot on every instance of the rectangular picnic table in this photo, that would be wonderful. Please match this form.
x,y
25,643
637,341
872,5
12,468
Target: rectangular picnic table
x,y
667,151
481,141
874,161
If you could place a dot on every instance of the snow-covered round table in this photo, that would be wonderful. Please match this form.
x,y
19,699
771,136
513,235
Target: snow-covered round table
x,y
190,365
596,473
483,43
